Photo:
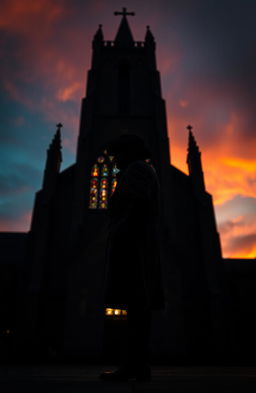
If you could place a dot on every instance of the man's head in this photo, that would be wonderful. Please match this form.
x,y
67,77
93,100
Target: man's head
x,y
128,148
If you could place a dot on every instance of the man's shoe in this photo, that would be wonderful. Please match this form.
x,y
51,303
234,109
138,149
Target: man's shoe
x,y
122,374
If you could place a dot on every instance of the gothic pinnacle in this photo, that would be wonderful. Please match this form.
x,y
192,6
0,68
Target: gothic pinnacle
x,y
56,141
99,35
149,38
192,145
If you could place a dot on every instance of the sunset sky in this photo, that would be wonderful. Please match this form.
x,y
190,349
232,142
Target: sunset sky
x,y
207,59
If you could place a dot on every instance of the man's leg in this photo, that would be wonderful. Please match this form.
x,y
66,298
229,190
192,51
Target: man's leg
x,y
135,353
138,335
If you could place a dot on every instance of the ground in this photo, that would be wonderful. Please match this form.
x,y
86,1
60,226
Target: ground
x,y
79,378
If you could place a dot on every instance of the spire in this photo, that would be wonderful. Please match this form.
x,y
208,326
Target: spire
x,y
149,38
194,162
98,37
55,145
124,36
53,161
192,145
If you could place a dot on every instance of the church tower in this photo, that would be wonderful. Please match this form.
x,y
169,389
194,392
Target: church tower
x,y
123,96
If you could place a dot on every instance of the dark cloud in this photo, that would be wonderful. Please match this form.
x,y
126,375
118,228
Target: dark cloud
x,y
237,206
244,244
18,179
229,225
217,66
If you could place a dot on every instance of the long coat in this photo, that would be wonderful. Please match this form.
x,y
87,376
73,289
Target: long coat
x,y
133,265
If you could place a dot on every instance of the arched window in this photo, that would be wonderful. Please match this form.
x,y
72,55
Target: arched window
x,y
103,181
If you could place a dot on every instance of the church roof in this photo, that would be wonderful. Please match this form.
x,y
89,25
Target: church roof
x,y
124,36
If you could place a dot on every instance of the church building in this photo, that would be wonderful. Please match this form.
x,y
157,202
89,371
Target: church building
x,y
64,310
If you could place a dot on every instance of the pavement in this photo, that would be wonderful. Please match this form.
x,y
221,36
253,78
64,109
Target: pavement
x,y
84,378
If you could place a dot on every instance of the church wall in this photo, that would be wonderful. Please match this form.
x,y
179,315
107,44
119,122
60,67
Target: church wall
x,y
185,320
106,81
13,280
49,251
240,296
84,329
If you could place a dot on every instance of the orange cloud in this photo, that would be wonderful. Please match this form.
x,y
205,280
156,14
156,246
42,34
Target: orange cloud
x,y
243,246
248,166
69,92
229,167
227,171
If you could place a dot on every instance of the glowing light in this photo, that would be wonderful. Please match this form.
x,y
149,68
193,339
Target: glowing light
x,y
93,193
114,183
103,193
95,171
116,312
115,170
109,311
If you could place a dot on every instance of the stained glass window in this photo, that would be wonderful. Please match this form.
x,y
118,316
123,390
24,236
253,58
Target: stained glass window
x,y
104,171
101,159
93,193
103,181
95,171
114,170
103,203
113,186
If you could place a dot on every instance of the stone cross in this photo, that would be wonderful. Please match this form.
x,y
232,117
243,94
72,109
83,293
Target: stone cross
x,y
59,126
189,127
124,12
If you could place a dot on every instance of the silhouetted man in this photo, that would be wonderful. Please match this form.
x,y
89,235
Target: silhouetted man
x,y
133,270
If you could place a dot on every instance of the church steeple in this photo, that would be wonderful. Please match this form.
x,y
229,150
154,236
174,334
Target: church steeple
x,y
124,36
194,162
53,161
